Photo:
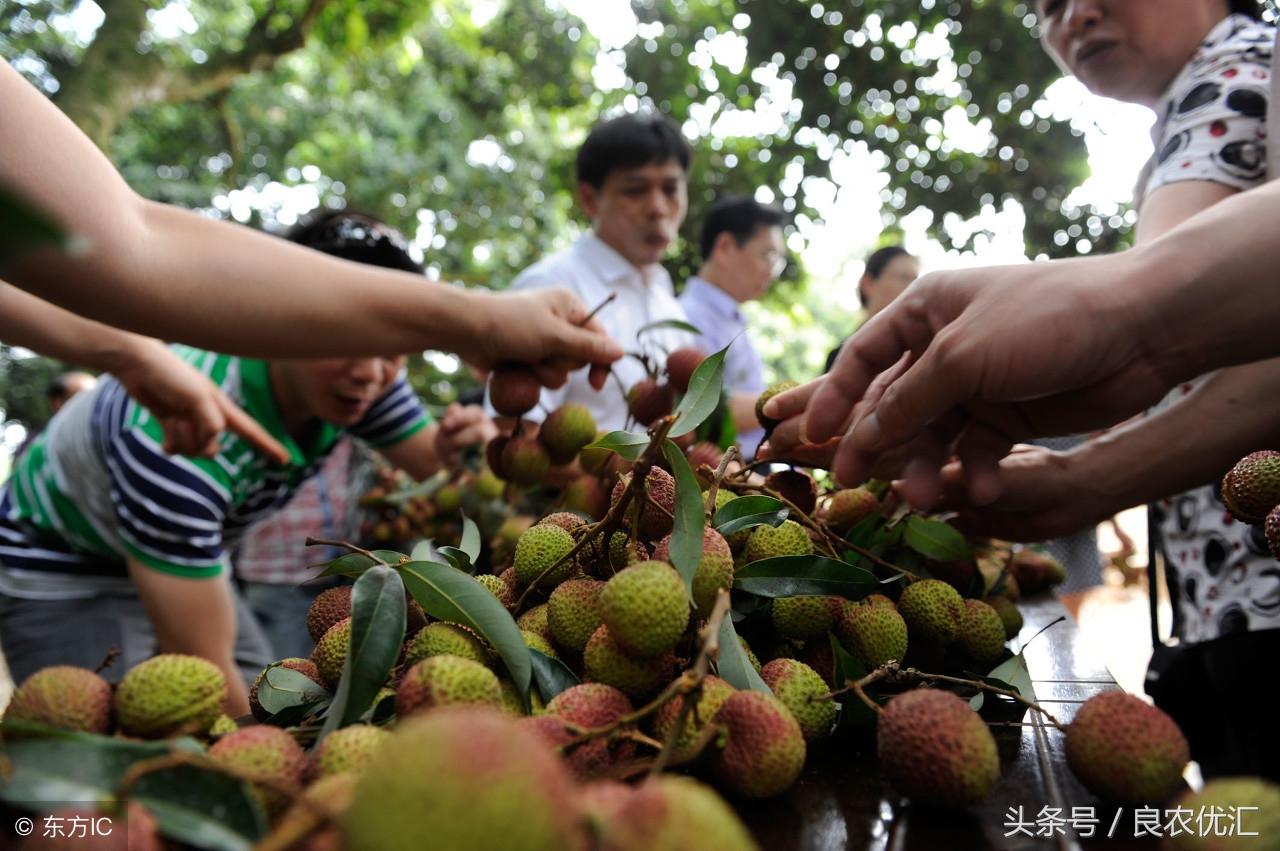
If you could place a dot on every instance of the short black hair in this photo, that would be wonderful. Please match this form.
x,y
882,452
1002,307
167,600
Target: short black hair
x,y
631,141
882,257
357,237
740,215
1252,8
57,388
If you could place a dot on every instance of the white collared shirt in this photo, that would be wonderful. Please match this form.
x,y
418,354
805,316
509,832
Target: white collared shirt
x,y
592,271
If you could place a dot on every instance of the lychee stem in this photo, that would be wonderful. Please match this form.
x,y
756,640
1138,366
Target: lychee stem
x,y
599,307
113,653
324,542
725,460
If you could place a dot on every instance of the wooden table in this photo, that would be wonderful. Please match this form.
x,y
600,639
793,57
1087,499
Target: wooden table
x,y
840,802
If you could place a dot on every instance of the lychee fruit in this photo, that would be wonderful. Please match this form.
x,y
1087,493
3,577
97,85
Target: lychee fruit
x,y
1126,750
347,749
585,495
534,641
266,756
513,390
982,632
1255,803
772,390
330,652
873,634
566,520
524,461
623,552
566,431
646,608
658,514
805,618
65,698
802,690
764,747
170,695
648,401
540,548
933,611
574,613
592,705
787,539
536,620
446,680
673,813
715,569
935,749
680,366
330,606
446,639
850,507
498,588
1009,615
1252,487
715,692
464,778
1272,530
604,661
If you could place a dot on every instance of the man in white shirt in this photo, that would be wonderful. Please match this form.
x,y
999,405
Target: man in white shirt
x,y
633,185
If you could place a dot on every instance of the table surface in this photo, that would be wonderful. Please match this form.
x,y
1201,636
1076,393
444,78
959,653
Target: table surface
x,y
840,802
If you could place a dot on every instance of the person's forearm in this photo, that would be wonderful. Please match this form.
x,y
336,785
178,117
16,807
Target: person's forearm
x,y
45,328
1191,443
1205,294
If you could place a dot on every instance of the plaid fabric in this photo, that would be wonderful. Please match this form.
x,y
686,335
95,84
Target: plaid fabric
x,y
274,551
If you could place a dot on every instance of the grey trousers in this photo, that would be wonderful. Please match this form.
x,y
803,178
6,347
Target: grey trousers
x,y
35,634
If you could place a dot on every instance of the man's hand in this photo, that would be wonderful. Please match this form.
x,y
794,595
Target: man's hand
x,y
1046,495
547,329
975,360
192,409
462,427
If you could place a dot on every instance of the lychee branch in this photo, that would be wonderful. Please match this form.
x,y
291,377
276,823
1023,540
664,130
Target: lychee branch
x,y
324,542
725,460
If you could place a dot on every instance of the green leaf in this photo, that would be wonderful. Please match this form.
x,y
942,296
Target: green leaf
x,y
24,227
377,633
427,488
625,443
690,516
288,696
551,675
450,595
677,324
354,564
1010,674
853,712
424,550
733,666
935,539
745,512
54,767
470,543
456,558
861,533
800,576
703,395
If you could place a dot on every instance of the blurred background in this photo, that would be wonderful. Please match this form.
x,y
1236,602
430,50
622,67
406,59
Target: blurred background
x,y
942,125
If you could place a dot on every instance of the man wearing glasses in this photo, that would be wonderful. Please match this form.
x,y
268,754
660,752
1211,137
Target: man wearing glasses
x,y
742,253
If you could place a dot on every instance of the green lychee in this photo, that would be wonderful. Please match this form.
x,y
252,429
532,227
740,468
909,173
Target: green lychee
x,y
715,692
933,611
605,661
536,620
444,681
772,390
170,695
764,748
805,618
646,608
981,632
538,550
788,539
330,653
566,431
223,726
524,461
1009,615
65,698
715,569
446,639
498,588
266,756
464,779
873,634
935,749
347,749
534,641
1255,804
574,613
850,507
802,690
1126,750
1252,487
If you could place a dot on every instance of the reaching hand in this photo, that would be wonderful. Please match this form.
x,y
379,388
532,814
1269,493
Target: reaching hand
x,y
972,361
461,427
547,329
192,410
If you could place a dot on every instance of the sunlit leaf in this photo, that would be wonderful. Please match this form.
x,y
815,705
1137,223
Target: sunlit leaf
x,y
675,324
624,443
